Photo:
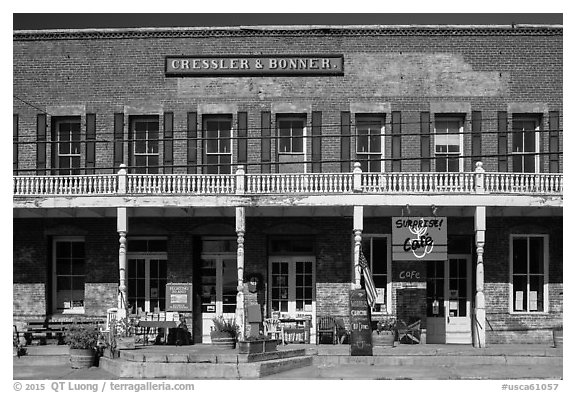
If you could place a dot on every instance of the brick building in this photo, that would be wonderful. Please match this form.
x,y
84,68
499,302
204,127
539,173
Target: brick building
x,y
217,156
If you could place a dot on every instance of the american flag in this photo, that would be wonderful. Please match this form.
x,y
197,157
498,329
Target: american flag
x,y
368,281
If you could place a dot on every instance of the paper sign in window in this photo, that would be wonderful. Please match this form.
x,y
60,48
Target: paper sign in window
x,y
380,295
519,304
533,300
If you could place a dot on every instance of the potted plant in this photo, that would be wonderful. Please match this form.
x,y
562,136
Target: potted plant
x,y
82,340
384,332
123,333
224,332
257,344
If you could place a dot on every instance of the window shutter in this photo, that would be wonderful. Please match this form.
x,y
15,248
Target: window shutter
x,y
168,142
345,142
554,118
266,142
396,141
316,142
90,143
118,140
502,141
192,125
476,138
15,144
41,145
242,138
425,141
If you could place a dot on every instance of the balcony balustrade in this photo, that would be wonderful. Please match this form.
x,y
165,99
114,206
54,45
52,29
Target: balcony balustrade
x,y
240,183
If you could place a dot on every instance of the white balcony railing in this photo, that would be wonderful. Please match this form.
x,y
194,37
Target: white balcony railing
x,y
423,182
240,183
302,183
181,184
523,183
66,185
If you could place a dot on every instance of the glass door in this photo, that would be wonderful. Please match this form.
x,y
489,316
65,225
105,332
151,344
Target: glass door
x,y
448,301
218,288
147,277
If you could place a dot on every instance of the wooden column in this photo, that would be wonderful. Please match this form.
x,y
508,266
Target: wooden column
x,y
479,325
358,228
240,230
122,227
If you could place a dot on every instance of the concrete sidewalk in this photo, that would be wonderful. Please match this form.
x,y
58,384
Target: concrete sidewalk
x,y
418,362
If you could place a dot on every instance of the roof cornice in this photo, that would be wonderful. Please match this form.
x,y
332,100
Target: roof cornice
x,y
316,30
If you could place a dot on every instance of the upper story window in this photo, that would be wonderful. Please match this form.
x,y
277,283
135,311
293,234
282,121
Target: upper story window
x,y
448,143
145,152
218,133
369,142
291,134
525,144
67,149
529,271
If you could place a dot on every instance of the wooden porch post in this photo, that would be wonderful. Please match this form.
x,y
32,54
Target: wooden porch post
x,y
122,227
358,228
240,230
479,323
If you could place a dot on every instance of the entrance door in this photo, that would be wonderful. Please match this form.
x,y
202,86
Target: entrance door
x,y
448,301
219,280
292,282
147,282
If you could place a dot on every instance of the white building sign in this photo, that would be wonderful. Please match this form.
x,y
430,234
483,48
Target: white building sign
x,y
419,238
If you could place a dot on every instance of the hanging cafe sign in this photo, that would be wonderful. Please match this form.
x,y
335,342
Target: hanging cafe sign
x,y
419,238
254,65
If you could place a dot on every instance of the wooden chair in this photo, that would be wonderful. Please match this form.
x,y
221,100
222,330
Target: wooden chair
x,y
274,329
408,334
326,326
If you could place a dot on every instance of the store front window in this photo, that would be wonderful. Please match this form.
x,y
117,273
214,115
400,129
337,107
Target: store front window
x,y
69,270
529,269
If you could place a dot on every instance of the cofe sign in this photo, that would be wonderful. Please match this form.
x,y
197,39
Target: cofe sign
x,y
419,238
179,297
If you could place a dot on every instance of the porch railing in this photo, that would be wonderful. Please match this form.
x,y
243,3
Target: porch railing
x,y
424,182
524,183
302,183
240,183
181,184
66,185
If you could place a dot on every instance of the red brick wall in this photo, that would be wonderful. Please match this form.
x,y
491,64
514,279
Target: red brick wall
x,y
407,71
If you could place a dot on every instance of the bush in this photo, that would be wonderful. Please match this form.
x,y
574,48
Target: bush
x,y
82,336
225,325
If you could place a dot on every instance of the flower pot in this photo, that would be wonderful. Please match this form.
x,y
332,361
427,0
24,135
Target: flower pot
x,y
383,338
558,337
82,358
222,340
125,342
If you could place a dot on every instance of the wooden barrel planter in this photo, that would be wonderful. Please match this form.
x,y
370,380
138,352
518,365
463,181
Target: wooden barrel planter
x,y
383,338
222,340
82,358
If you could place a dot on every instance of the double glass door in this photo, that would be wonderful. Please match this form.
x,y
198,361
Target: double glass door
x,y
448,301
219,279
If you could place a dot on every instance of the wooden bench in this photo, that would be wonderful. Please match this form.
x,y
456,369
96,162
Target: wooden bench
x,y
42,332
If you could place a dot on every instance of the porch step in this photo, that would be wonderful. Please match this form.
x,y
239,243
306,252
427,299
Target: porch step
x,y
40,355
202,370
